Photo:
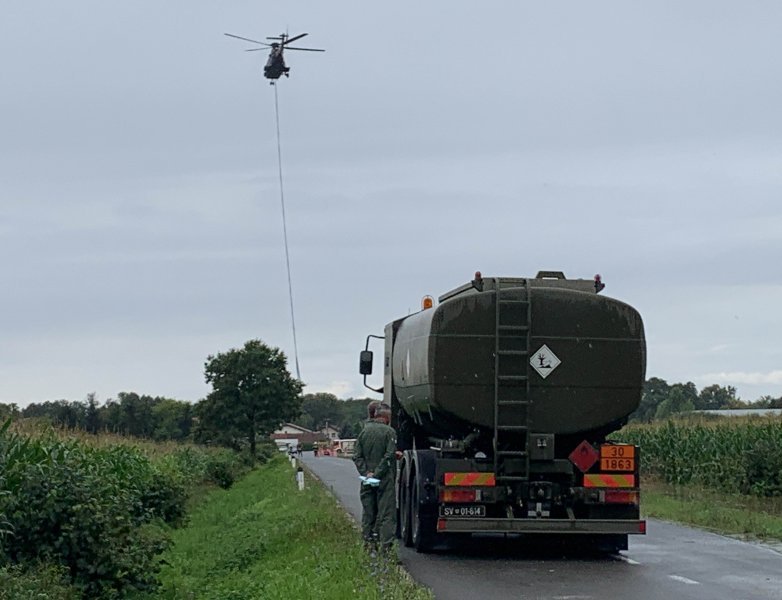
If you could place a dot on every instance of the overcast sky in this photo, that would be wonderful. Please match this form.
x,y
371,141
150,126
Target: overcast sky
x,y
140,220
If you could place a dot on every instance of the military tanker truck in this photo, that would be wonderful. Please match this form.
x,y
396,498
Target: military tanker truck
x,y
503,395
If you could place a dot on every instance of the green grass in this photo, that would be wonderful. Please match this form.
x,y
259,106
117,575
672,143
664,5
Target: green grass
x,y
264,539
731,514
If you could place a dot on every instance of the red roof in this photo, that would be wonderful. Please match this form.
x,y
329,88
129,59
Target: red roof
x,y
304,438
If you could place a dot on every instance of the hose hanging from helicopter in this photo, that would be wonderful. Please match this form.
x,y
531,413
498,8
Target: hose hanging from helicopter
x,y
274,69
285,234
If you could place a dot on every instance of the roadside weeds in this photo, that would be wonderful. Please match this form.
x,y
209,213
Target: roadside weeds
x,y
746,517
266,539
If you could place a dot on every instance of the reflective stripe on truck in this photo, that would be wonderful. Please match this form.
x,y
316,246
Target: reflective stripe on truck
x,y
608,480
470,479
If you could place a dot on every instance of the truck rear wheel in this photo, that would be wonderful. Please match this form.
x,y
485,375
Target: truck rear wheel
x,y
423,519
404,506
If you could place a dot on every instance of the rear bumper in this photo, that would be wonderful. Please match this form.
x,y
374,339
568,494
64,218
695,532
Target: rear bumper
x,y
559,526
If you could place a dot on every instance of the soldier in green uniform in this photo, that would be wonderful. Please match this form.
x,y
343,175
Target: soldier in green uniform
x,y
375,456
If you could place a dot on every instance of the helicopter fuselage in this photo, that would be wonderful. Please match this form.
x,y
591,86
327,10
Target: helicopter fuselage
x,y
275,66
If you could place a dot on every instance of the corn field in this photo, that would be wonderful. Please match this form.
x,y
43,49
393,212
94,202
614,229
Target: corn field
x,y
95,510
737,456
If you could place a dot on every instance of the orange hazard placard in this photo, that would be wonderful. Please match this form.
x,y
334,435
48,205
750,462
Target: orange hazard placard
x,y
617,464
617,451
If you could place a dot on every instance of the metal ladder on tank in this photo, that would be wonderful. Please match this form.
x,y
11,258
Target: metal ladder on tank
x,y
511,378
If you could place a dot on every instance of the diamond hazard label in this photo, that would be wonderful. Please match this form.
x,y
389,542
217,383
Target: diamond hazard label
x,y
544,361
584,456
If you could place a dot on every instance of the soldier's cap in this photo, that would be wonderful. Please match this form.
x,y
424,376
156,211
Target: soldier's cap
x,y
384,410
376,408
372,408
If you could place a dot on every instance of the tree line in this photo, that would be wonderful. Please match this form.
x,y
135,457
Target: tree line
x,y
139,415
160,418
321,409
253,394
661,400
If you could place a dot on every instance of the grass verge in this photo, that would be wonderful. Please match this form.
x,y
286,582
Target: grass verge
x,y
731,514
265,539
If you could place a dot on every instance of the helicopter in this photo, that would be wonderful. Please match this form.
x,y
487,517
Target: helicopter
x,y
275,66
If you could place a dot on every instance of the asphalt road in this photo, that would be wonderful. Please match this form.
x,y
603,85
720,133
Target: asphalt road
x,y
669,563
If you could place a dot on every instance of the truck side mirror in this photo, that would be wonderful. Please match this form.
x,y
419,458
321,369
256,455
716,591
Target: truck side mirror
x,y
365,362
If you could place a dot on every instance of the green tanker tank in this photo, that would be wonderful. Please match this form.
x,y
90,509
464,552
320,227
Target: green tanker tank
x,y
577,357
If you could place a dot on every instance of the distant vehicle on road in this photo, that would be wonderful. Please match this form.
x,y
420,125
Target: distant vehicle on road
x,y
335,448
287,445
344,447
323,449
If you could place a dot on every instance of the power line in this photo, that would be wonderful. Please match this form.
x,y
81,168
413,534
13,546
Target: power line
x,y
285,235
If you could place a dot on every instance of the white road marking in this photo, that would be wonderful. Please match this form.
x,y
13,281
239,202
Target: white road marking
x,y
629,561
684,580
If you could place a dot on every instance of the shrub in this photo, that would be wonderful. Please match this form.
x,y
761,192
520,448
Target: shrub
x,y
155,493
76,514
85,509
36,583
265,451
165,497
219,466
94,507
220,472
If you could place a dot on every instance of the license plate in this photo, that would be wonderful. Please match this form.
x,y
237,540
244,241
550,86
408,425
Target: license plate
x,y
473,510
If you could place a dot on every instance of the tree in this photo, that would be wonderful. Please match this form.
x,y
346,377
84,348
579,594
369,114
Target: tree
x,y
60,413
317,409
111,416
8,411
92,414
172,419
136,414
655,392
355,415
715,397
681,398
252,394
346,415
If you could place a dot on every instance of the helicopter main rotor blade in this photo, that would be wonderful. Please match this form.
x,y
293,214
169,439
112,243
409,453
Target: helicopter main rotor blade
x,y
245,39
255,49
294,38
307,49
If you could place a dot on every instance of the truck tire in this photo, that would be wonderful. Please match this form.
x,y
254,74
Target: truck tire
x,y
404,506
423,518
